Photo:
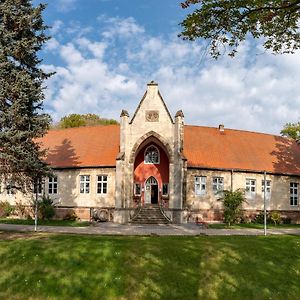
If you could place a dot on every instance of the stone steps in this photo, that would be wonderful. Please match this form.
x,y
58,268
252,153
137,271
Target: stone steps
x,y
150,215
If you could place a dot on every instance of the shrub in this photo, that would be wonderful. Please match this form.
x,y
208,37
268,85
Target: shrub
x,y
46,208
286,220
259,219
6,209
70,216
21,210
232,202
275,217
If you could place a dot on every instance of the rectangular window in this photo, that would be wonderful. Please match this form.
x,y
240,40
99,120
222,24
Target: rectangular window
x,y
165,189
200,185
293,193
84,184
102,184
250,187
137,189
38,187
10,189
52,186
268,188
218,184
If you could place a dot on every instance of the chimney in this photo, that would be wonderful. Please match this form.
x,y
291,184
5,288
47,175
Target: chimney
x,y
221,128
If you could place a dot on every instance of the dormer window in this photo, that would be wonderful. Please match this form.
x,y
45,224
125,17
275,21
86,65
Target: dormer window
x,y
151,155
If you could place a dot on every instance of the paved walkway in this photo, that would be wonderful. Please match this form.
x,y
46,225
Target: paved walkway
x,y
170,229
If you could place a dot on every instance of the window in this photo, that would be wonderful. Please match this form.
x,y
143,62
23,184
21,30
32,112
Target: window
x,y
38,187
200,185
52,186
151,155
218,184
102,184
293,193
165,189
137,189
268,188
10,189
84,184
250,187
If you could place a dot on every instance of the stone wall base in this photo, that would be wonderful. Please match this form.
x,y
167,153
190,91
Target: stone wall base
x,y
248,215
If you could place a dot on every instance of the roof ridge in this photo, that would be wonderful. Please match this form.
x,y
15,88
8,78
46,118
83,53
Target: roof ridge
x,y
80,127
239,130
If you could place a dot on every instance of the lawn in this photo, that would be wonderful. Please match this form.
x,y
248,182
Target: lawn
x,y
53,266
45,222
252,225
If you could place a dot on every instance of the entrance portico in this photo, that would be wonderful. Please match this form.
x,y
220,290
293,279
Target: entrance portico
x,y
150,167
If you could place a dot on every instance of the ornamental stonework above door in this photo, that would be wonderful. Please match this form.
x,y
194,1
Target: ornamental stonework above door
x,y
152,115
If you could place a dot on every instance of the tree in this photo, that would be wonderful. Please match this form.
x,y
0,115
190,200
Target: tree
x,y
78,120
22,121
291,130
232,202
226,23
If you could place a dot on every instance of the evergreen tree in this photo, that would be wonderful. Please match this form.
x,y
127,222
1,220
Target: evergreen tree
x,y
22,121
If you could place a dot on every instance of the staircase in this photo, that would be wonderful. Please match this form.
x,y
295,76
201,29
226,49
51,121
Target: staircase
x,y
150,215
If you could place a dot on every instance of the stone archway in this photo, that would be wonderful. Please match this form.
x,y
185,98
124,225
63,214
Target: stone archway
x,y
148,137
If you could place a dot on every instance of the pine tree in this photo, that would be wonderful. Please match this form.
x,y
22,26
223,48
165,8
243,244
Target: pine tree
x,y
22,121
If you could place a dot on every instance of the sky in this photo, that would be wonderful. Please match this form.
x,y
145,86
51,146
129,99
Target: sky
x,y
104,53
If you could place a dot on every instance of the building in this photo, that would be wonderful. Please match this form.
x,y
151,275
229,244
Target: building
x,y
152,158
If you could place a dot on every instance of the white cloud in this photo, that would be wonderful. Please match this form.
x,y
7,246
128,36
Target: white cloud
x,y
103,76
66,5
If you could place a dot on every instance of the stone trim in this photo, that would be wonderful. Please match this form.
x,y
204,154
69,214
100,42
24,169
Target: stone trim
x,y
157,137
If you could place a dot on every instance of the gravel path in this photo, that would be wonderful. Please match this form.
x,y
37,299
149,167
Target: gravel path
x,y
170,229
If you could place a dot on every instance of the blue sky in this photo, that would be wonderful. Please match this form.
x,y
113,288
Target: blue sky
x,y
104,53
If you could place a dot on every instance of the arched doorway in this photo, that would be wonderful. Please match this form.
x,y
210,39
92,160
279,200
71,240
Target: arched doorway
x,y
151,174
151,191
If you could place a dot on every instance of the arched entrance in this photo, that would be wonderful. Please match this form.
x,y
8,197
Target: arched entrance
x,y
151,174
151,191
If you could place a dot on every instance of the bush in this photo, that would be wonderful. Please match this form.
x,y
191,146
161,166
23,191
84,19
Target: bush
x,y
6,209
21,210
286,220
259,219
70,216
232,202
275,217
46,208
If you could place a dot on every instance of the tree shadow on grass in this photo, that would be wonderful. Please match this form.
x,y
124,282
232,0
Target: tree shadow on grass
x,y
90,267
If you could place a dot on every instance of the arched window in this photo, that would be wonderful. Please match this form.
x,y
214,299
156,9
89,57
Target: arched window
x,y
151,155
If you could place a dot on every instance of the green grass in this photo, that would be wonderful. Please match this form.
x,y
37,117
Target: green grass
x,y
45,222
52,266
252,225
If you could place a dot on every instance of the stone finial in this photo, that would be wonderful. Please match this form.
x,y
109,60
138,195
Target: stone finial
x,y
179,114
124,113
152,82
221,128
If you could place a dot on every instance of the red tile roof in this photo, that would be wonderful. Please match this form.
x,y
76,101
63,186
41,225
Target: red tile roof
x,y
90,146
208,147
204,147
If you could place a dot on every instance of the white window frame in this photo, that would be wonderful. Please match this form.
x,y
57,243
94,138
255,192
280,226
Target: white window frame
x,y
146,158
218,184
52,185
294,193
250,187
135,189
85,184
10,190
200,185
102,184
268,188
